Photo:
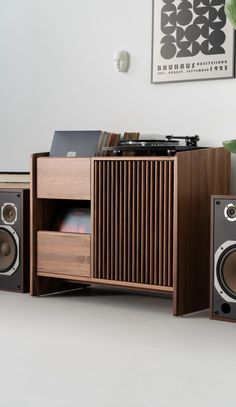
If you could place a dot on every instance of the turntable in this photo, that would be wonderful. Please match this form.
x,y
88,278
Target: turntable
x,y
168,146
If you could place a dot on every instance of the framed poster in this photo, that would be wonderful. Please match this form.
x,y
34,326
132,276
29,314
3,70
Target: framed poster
x,y
191,40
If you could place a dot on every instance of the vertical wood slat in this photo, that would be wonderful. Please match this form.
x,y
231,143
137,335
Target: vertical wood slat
x,y
160,223
142,221
170,224
108,220
138,222
113,220
147,226
95,215
156,223
129,220
134,215
104,214
165,222
125,228
117,237
100,223
133,210
151,223
121,220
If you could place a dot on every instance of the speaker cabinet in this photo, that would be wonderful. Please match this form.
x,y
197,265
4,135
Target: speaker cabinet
x,y
223,258
14,237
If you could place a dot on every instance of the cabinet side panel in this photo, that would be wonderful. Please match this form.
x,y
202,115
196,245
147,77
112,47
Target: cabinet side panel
x,y
201,173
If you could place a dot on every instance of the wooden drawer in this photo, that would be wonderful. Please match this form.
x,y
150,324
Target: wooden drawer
x,y
66,254
63,178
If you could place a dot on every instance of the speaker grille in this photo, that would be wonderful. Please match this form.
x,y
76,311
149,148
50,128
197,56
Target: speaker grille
x,y
133,221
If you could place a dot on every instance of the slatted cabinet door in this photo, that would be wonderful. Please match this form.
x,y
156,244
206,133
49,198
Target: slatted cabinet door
x,y
133,220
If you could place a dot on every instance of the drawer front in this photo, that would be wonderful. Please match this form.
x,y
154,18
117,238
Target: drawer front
x,y
63,178
63,254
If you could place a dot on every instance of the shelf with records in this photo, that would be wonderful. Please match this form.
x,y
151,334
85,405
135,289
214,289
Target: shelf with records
x,y
87,143
63,238
72,217
113,140
66,216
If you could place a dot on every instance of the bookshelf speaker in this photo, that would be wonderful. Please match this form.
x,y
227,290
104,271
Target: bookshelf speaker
x,y
14,238
223,298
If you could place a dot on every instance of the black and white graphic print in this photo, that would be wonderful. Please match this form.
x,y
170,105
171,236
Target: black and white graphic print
x,y
192,27
192,39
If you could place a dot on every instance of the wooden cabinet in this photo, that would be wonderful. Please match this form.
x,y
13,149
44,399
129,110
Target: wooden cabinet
x,y
150,220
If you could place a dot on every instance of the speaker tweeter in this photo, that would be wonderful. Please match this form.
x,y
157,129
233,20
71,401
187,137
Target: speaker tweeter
x,y
9,213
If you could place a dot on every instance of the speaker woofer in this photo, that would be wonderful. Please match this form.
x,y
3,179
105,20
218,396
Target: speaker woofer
x,y
226,272
9,213
9,250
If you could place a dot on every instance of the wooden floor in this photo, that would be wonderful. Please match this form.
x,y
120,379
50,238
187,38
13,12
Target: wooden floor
x,y
104,348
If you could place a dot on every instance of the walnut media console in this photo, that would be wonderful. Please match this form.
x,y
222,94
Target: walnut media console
x,y
150,220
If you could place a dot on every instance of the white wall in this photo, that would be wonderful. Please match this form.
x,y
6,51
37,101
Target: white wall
x,y
56,72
